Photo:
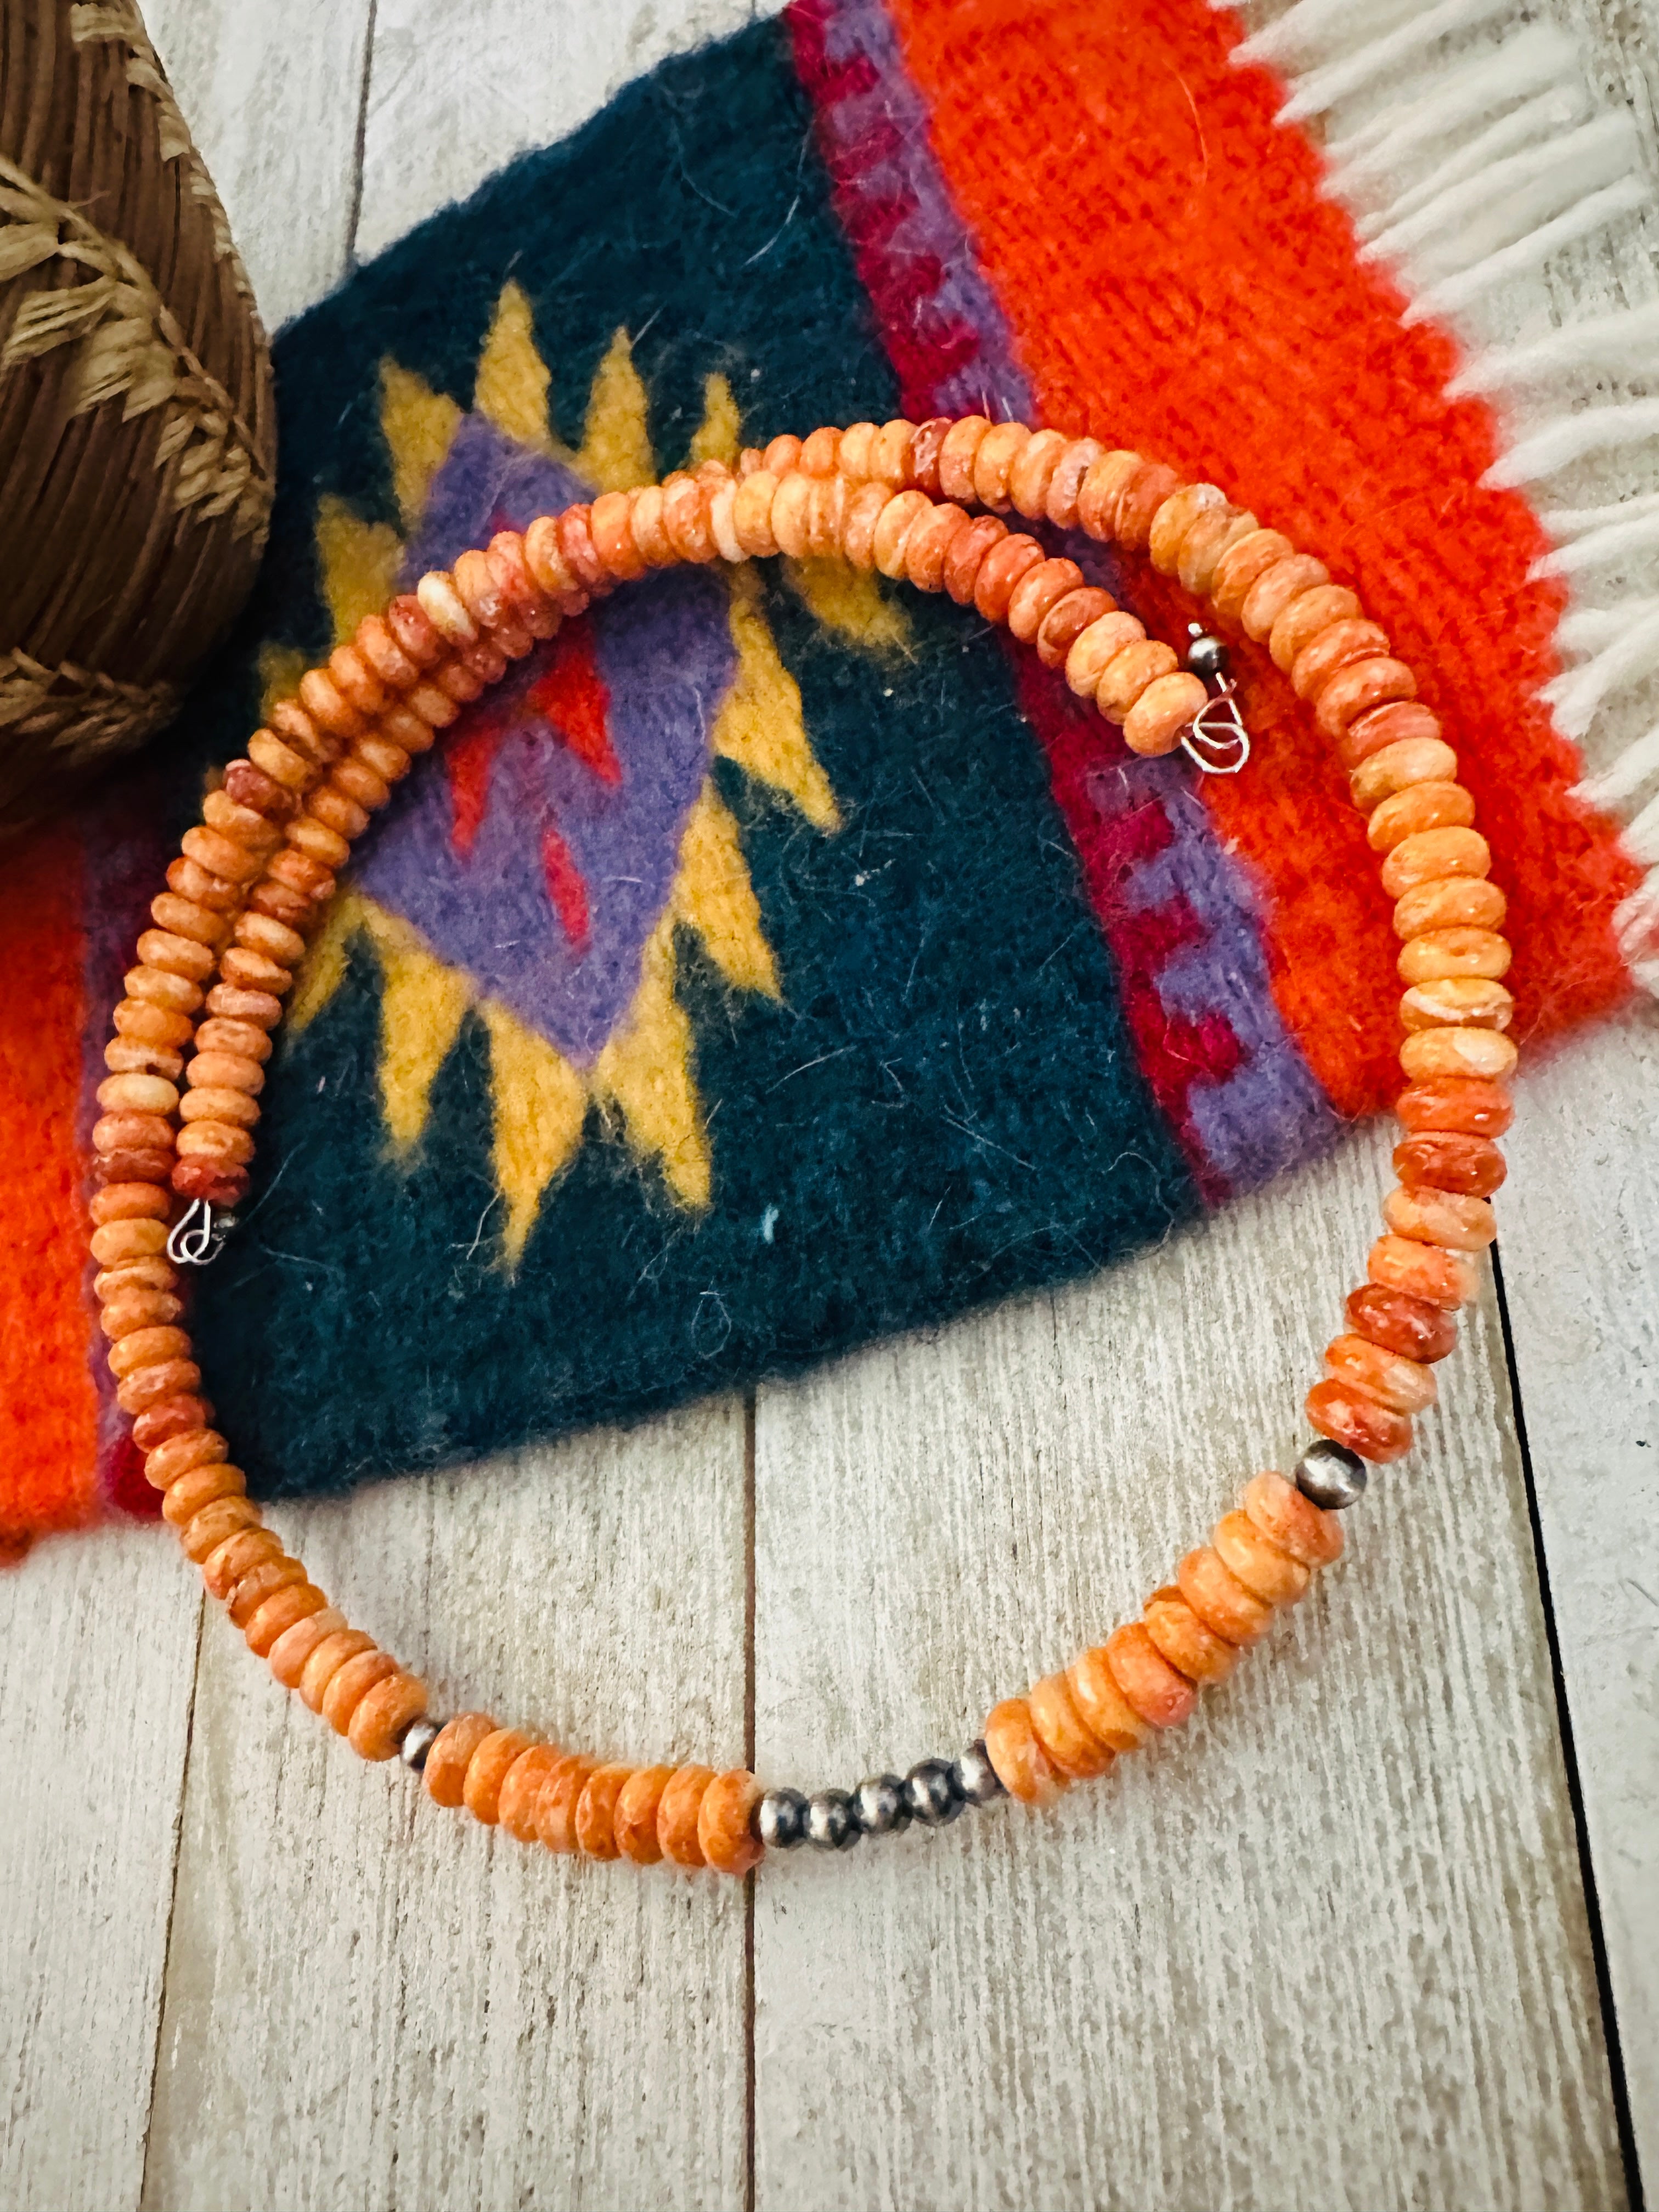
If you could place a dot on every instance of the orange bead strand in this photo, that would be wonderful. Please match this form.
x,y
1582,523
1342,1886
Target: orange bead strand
x,y
922,503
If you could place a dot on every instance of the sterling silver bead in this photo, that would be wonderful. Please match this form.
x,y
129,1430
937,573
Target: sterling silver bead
x,y
829,1822
781,1819
930,1794
1331,1475
1207,657
977,1781
879,1807
418,1739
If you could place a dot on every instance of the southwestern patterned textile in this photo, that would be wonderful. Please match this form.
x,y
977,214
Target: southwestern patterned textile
x,y
774,960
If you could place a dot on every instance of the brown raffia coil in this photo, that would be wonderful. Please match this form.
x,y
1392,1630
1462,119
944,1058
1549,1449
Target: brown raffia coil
x,y
137,434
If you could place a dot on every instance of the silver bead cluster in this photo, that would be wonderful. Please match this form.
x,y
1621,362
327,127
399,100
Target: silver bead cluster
x,y
1331,1475
931,1795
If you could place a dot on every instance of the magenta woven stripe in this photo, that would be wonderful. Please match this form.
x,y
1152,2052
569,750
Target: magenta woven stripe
x,y
940,317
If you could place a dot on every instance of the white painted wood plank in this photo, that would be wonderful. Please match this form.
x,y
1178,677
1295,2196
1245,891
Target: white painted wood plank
x,y
458,88
374,2002
273,94
98,1634
1581,1272
1580,1215
97,1651
1330,1948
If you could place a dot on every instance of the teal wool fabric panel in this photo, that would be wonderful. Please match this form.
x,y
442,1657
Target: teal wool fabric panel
x,y
921,1092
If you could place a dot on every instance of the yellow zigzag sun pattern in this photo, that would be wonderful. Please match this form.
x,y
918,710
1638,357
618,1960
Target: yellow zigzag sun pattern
x,y
643,1078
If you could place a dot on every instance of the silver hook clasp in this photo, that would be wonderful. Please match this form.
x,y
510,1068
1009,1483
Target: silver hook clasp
x,y
1216,738
198,1235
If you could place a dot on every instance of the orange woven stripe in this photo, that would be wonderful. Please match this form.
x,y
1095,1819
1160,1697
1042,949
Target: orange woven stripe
x,y
48,1406
1174,282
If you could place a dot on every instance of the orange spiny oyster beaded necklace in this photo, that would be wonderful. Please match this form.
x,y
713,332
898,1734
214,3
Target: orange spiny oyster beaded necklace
x,y
921,503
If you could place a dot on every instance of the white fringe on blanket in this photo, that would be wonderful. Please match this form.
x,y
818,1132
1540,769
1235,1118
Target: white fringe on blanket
x,y
1478,164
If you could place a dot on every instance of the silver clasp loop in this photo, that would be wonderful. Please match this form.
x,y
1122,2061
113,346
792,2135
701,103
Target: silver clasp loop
x,y
1216,738
198,1235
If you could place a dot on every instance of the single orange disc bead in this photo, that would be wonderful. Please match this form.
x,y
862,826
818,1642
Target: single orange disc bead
x,y
1033,472
1001,572
1292,1522
1067,1740
263,1580
1101,489
1440,1217
1138,503
187,1493
1405,1384
1066,478
1067,620
724,1835
1191,1649
1423,1271
1105,1711
1396,722
1335,647
969,551
1242,567
298,1601
1221,1600
240,1553
1206,545
294,1647
1175,519
179,1454
1146,1678
1349,1416
1473,1166
1022,1765
958,449
927,544
1452,903
1457,1105
1304,617
634,1821
349,1685
488,1768
1401,1322
555,1806
677,1813
327,1656
1266,1571
999,450
1356,688
596,1812
450,1754
383,1713
202,1535
1038,591
1131,673
1486,1053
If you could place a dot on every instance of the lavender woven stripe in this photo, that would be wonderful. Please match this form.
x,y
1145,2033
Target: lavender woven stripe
x,y
992,384
1272,1110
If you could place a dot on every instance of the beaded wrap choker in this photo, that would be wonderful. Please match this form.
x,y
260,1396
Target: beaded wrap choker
x,y
921,503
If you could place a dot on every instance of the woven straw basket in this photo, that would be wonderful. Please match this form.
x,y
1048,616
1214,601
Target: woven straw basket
x,y
137,428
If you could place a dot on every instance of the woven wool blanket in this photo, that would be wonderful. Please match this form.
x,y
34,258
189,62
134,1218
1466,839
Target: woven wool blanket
x,y
775,960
